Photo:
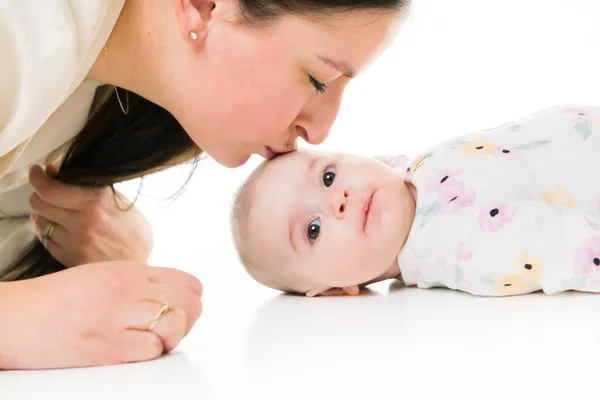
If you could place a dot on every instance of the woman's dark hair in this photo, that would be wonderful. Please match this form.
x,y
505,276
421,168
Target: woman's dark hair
x,y
261,11
111,148
114,147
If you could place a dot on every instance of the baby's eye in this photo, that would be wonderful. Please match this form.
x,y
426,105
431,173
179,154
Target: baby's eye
x,y
329,176
313,230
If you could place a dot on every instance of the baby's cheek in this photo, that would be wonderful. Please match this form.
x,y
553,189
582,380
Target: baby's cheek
x,y
360,265
337,268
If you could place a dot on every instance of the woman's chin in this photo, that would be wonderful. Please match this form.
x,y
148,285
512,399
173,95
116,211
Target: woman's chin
x,y
231,161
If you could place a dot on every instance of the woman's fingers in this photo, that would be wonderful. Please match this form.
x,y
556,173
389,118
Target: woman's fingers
x,y
106,302
47,210
180,298
133,346
170,328
175,277
53,243
59,194
59,233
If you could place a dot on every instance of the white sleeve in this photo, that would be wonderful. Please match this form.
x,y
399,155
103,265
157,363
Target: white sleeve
x,y
42,46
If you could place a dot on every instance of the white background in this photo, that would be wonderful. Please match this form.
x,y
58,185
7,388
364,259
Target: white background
x,y
457,66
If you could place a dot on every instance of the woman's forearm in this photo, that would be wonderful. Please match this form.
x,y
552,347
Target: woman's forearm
x,y
11,294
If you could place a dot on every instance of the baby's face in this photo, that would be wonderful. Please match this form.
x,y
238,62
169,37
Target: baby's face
x,y
331,220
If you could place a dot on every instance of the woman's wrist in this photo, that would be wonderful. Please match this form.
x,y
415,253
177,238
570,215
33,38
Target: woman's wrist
x,y
5,306
12,295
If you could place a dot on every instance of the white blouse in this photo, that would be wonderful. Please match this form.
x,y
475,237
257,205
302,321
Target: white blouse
x,y
46,50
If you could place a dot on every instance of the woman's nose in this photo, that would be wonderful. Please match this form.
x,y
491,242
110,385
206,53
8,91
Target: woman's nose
x,y
316,119
314,135
338,202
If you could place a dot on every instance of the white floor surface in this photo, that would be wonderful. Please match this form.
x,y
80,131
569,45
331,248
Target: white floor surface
x,y
458,66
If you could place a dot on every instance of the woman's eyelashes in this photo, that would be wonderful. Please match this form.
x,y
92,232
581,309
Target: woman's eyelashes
x,y
314,227
320,87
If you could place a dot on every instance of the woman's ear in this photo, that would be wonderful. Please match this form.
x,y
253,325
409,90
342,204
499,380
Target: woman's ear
x,y
324,291
193,17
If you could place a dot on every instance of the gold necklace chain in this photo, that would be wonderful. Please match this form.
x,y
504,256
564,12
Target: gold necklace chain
x,y
125,111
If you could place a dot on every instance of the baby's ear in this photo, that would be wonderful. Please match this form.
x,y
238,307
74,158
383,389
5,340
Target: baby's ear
x,y
324,291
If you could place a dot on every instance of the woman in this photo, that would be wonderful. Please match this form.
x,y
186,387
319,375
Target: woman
x,y
227,77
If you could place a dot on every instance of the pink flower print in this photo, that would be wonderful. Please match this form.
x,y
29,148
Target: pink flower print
x,y
577,111
444,178
460,275
463,254
496,216
508,153
455,197
587,258
442,260
419,276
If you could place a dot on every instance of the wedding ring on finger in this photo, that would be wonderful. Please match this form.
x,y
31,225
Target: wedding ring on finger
x,y
47,233
161,313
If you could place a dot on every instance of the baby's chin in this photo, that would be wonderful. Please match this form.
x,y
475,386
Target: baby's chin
x,y
376,269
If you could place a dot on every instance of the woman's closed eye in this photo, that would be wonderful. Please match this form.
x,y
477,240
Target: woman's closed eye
x,y
320,87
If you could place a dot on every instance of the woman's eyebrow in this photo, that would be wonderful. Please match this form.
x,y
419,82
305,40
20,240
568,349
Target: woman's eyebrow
x,y
343,67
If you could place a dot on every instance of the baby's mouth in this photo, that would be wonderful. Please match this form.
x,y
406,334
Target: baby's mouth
x,y
367,210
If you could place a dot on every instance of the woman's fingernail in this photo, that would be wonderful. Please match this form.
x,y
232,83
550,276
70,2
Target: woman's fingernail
x,y
33,216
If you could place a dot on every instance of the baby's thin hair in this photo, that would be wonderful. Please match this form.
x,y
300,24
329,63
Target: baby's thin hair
x,y
261,270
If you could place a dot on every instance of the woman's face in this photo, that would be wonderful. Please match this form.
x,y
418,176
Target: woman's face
x,y
254,90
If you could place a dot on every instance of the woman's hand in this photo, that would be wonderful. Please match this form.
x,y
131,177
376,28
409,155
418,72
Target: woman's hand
x,y
95,314
90,227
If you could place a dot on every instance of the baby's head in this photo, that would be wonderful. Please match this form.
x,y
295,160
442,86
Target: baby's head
x,y
321,223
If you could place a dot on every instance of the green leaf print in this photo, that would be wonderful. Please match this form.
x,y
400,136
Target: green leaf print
x,y
457,274
557,208
428,209
515,128
455,144
574,283
584,129
427,212
533,145
488,280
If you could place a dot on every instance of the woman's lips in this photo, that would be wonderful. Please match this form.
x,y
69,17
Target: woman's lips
x,y
269,153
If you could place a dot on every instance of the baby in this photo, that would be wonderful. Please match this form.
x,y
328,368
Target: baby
x,y
510,210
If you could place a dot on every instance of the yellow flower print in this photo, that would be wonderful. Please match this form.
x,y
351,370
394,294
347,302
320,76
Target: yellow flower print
x,y
478,147
512,284
419,162
528,266
527,270
561,197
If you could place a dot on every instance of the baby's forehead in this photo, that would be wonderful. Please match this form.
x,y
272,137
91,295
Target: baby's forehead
x,y
275,191
287,166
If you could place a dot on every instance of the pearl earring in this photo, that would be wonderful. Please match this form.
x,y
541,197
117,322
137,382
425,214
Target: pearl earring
x,y
193,35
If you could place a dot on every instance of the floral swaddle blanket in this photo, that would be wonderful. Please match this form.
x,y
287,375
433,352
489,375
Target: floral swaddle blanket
x,y
509,210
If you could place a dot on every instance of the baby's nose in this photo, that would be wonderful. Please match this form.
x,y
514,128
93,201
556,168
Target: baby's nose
x,y
339,203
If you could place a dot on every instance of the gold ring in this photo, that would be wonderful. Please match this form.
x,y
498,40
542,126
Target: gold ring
x,y
47,233
161,313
